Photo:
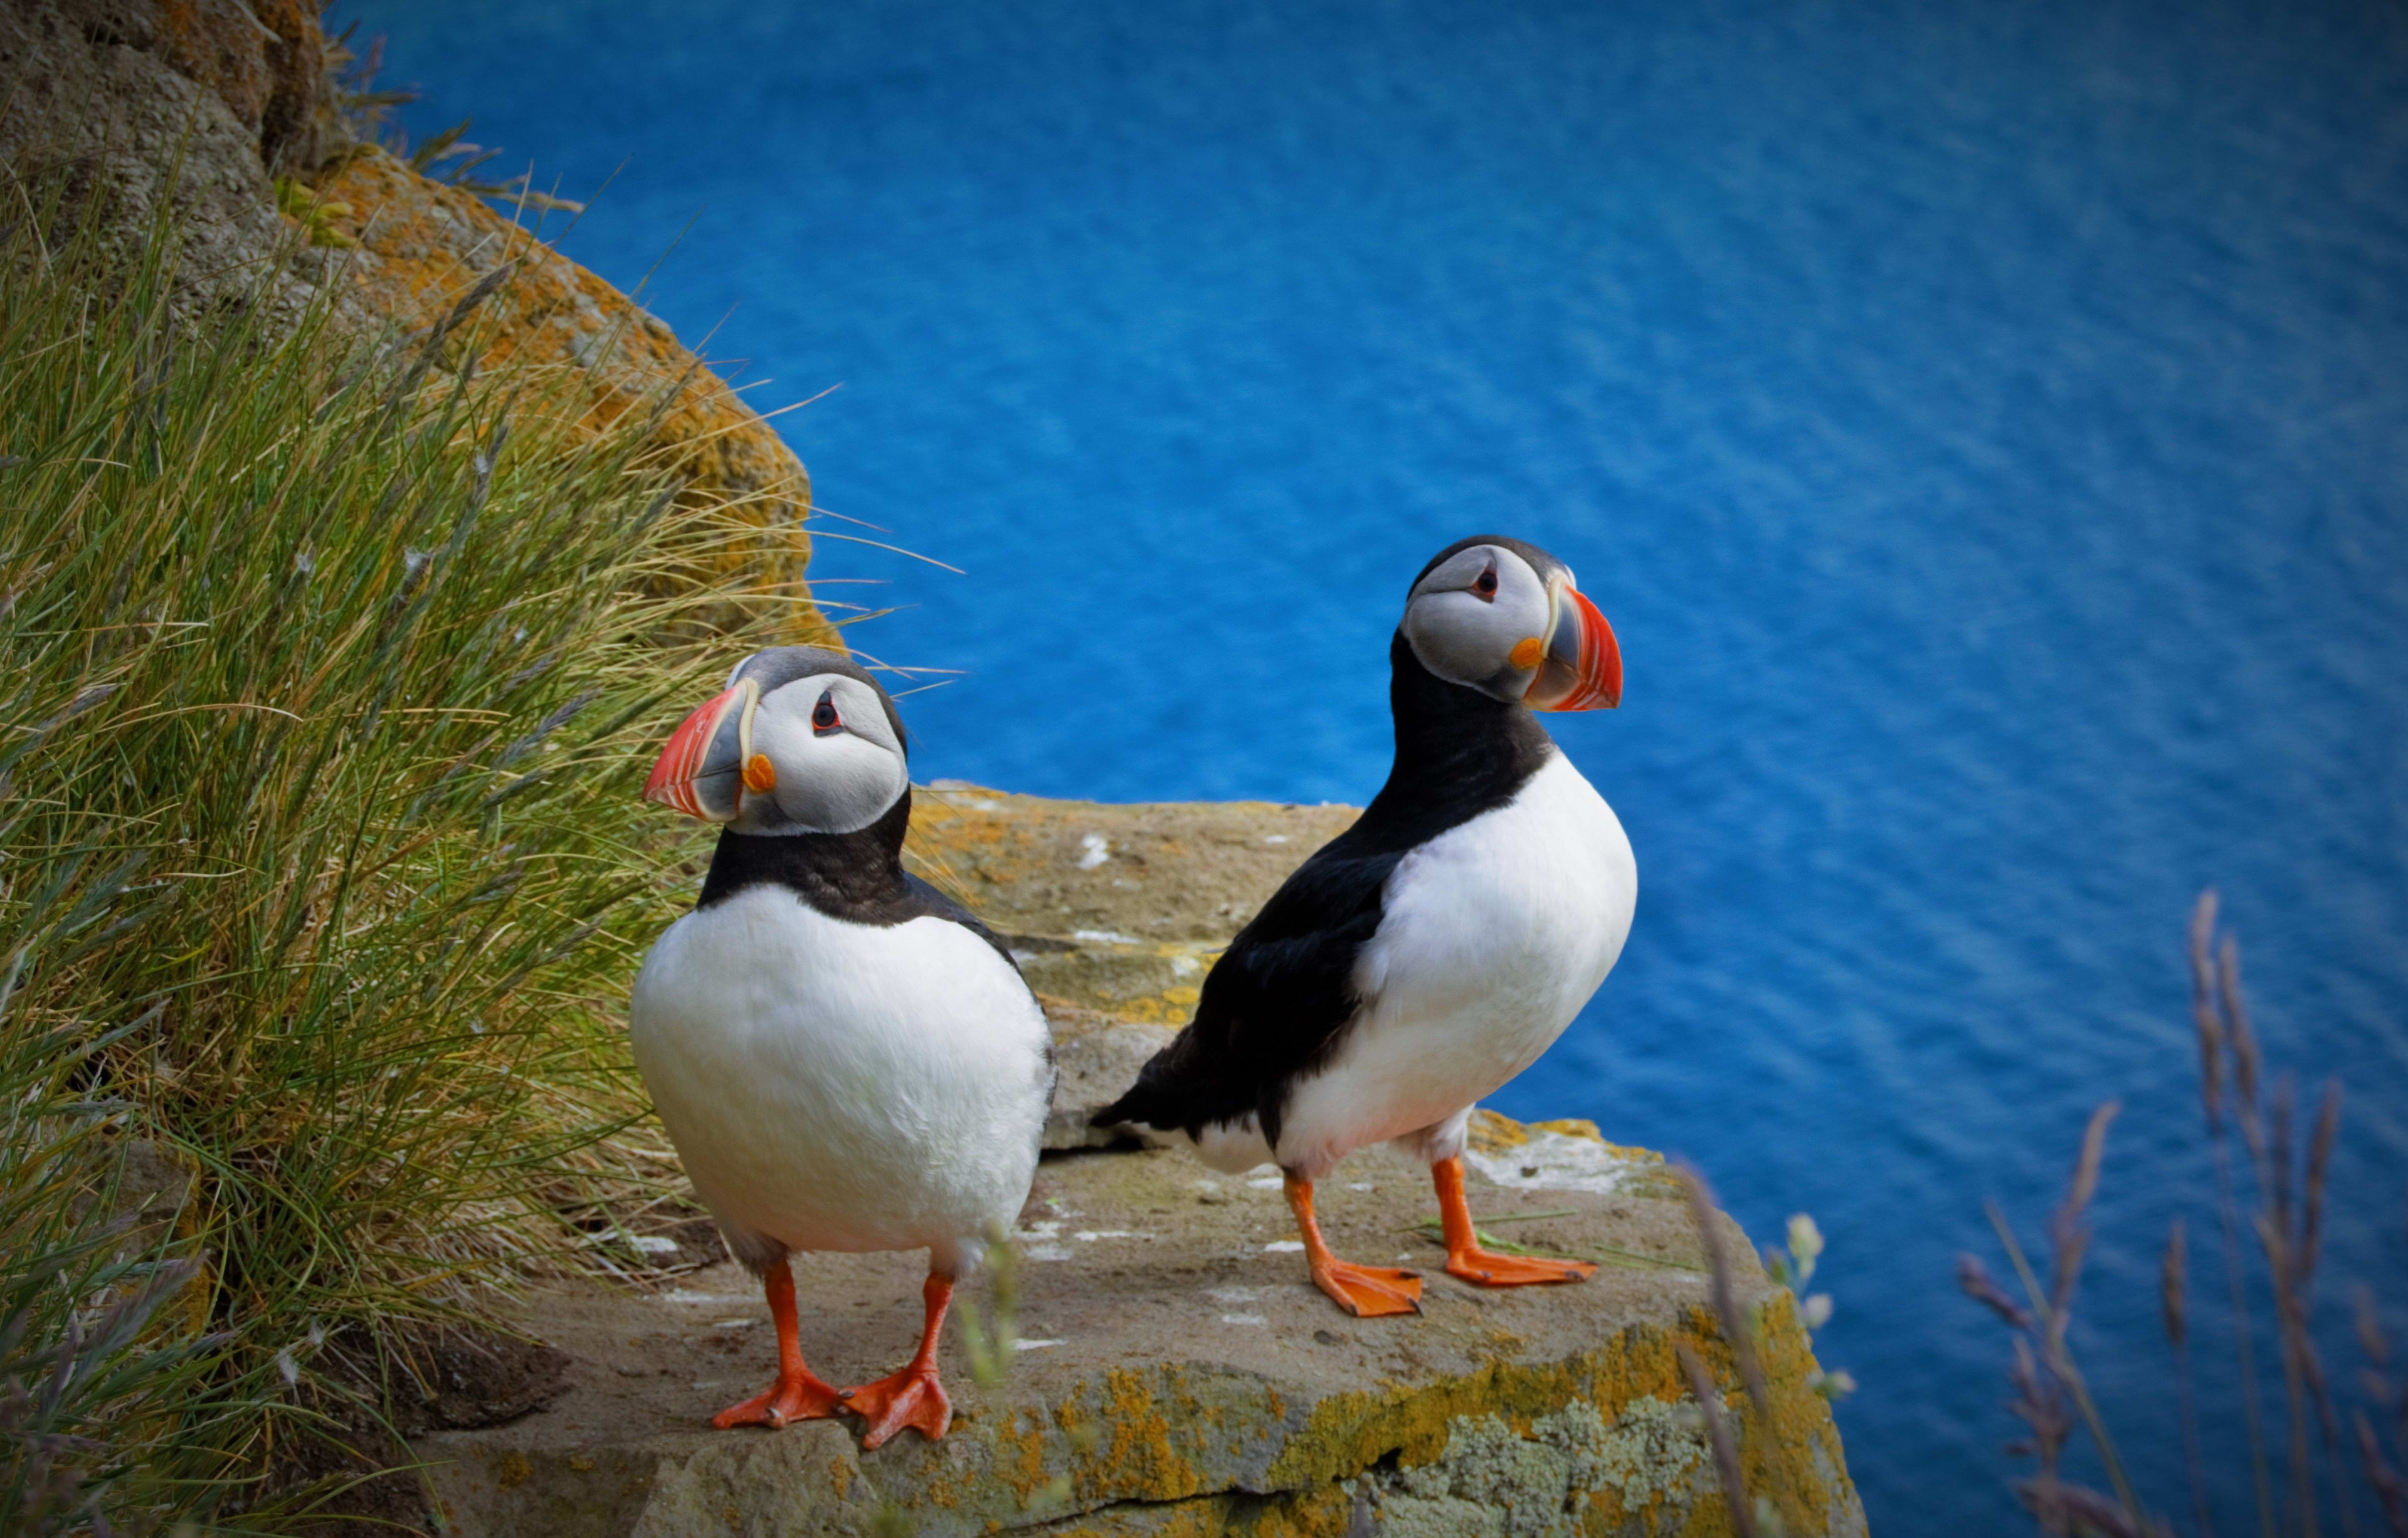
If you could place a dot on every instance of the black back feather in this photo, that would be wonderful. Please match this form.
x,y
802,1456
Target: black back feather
x,y
1277,1003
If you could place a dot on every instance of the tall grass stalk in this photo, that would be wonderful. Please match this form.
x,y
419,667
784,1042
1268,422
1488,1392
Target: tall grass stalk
x,y
2288,1187
328,675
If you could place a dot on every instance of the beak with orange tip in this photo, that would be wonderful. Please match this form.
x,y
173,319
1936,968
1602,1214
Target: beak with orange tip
x,y
701,770
1582,669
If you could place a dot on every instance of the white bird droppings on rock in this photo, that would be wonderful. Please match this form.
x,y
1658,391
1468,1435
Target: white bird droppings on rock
x,y
1552,1161
1094,849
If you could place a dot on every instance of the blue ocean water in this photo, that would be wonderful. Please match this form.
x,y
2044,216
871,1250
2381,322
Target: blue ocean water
x,y
1985,426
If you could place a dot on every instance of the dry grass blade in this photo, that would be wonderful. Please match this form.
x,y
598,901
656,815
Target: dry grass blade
x,y
2205,1024
1737,1328
1718,1436
2058,1376
2222,1025
2173,1299
1974,1279
2390,1488
2241,1041
2173,1274
2068,1238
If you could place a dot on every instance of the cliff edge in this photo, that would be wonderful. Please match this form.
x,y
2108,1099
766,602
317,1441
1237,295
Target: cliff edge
x,y
1175,1371
233,113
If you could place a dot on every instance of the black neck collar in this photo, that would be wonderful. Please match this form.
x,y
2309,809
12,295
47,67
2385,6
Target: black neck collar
x,y
1459,753
857,876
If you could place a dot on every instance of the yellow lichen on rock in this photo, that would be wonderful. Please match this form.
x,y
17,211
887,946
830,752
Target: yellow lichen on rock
x,y
422,245
222,109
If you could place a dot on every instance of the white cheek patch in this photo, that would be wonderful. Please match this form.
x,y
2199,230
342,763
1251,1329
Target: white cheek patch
x,y
831,783
1456,635
1468,640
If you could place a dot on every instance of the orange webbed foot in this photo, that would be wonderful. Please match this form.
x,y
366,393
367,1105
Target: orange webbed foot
x,y
1483,1267
911,1397
1368,1292
792,1397
1487,1269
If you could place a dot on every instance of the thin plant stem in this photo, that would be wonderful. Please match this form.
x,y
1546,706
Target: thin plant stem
x,y
2218,1032
1726,1467
2062,1362
2177,1315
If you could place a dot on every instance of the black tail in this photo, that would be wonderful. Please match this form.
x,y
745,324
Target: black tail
x,y
1141,1106
1177,1091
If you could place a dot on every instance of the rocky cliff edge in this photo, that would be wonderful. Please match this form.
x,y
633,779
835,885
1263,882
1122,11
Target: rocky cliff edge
x,y
1175,1373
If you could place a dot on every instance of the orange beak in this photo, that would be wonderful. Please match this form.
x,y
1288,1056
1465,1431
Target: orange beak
x,y
701,770
1583,670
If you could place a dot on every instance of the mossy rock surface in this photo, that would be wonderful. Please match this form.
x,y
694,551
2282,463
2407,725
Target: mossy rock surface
x,y
1179,1375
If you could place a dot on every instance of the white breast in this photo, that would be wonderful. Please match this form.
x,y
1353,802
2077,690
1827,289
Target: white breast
x,y
1492,936
842,1085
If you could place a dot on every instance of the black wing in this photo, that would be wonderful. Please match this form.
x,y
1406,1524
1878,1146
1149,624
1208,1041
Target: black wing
x,y
1277,1002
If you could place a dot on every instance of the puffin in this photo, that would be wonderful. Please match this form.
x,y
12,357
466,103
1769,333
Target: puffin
x,y
1432,951
846,1060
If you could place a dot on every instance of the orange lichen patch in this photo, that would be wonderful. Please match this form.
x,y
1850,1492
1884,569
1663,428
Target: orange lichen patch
x,y
423,245
1783,1465
1575,1126
1139,1453
1020,1461
266,71
1492,1134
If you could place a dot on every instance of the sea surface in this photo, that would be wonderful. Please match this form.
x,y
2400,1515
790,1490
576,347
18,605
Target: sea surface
x,y
1986,424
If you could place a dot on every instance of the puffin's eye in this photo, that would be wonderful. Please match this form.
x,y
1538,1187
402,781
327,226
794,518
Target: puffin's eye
x,y
824,715
1487,586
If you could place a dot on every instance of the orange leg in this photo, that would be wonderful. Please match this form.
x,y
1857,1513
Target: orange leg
x,y
796,1395
1467,1260
911,1397
1364,1291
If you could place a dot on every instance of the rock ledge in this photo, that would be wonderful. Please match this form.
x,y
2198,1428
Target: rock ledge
x,y
1177,1373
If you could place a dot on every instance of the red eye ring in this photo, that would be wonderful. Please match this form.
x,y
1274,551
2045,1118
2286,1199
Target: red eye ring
x,y
1485,586
824,715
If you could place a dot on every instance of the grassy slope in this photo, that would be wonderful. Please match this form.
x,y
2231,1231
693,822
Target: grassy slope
x,y
325,685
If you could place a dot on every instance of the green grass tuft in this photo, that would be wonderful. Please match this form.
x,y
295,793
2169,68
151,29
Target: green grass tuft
x,y
328,675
